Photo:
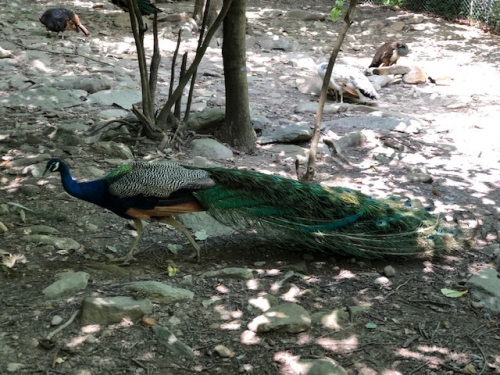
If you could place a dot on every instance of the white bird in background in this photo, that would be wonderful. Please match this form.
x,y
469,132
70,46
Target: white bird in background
x,y
348,79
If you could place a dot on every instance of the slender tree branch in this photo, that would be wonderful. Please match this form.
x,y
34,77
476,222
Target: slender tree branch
x,y
311,165
161,120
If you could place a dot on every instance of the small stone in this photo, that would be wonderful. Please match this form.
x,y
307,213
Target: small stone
x,y
3,228
13,366
259,264
91,339
56,320
389,271
382,280
223,351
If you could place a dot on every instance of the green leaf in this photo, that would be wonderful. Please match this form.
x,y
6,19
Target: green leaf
x,y
370,325
450,293
335,14
111,248
23,216
172,271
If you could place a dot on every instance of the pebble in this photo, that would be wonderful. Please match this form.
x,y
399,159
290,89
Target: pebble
x,y
3,228
56,320
13,366
382,280
389,271
223,351
91,339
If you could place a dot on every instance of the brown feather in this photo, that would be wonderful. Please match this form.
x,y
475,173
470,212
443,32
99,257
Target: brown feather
x,y
162,211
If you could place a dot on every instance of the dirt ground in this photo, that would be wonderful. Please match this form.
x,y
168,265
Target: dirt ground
x,y
419,331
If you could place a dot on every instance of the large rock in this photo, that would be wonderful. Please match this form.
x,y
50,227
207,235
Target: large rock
x,y
68,283
159,292
286,317
108,310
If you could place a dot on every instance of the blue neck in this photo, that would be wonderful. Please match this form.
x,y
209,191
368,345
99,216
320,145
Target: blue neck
x,y
92,191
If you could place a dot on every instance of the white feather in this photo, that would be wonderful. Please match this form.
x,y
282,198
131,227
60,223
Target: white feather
x,y
348,76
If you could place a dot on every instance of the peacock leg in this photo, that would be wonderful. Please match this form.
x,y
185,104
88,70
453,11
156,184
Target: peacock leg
x,y
181,228
130,255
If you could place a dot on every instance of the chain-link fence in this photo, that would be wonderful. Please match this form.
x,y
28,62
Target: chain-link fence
x,y
484,11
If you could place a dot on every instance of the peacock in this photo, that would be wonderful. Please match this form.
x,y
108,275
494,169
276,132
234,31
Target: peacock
x,y
388,54
315,217
349,79
145,6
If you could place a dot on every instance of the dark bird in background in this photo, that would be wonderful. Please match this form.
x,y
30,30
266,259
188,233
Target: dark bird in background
x,y
314,217
389,54
349,79
61,19
145,6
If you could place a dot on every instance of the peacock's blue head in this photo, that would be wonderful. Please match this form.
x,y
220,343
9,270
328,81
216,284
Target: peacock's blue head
x,y
53,165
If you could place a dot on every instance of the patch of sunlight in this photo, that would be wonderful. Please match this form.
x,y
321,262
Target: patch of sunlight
x,y
428,267
91,328
433,349
339,346
249,338
253,284
227,314
222,289
292,294
345,274
12,186
76,341
304,338
231,326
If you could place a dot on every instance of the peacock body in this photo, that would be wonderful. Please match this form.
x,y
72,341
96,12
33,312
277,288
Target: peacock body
x,y
388,54
335,220
62,19
145,6
349,79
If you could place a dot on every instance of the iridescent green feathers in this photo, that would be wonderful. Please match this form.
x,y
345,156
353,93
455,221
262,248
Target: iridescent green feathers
x,y
316,217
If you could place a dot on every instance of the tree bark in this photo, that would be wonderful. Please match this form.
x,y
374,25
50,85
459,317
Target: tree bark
x,y
237,130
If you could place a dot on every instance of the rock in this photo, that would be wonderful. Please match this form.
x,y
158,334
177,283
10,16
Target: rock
x,y
304,15
176,346
397,26
223,351
159,292
415,75
121,98
14,367
391,70
354,139
230,273
206,121
5,53
22,162
40,229
44,97
415,19
485,286
311,107
286,133
112,149
309,86
203,221
68,283
109,310
286,317
30,190
210,148
61,243
389,271
382,280
3,228
56,320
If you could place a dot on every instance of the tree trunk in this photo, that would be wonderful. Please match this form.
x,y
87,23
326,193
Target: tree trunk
x,y
237,130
